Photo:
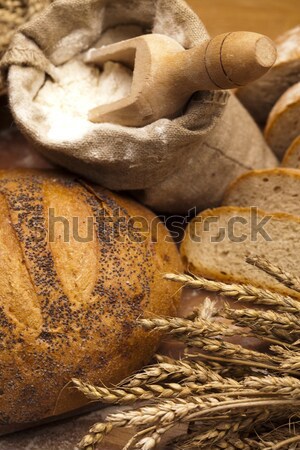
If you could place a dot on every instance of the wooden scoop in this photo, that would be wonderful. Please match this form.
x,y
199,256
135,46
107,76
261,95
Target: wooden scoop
x,y
165,75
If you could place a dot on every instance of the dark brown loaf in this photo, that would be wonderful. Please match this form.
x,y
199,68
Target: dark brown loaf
x,y
69,309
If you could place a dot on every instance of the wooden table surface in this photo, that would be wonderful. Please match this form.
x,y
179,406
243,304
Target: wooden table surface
x,y
270,17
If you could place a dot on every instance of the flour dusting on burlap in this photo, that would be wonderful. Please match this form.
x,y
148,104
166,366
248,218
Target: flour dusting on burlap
x,y
172,164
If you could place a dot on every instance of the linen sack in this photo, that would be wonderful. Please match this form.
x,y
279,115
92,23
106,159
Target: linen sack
x,y
171,165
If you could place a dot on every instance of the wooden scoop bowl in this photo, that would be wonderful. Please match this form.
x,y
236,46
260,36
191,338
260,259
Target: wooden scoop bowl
x,y
165,75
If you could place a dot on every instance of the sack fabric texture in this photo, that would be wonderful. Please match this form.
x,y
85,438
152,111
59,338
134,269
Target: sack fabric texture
x,y
171,165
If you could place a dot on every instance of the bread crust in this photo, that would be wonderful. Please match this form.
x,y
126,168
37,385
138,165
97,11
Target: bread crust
x,y
286,104
234,186
259,97
80,300
290,154
202,270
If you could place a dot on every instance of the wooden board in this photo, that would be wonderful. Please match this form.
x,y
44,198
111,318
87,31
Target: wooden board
x,y
270,17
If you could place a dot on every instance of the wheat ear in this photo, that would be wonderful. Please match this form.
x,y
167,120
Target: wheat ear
x,y
240,292
284,277
284,326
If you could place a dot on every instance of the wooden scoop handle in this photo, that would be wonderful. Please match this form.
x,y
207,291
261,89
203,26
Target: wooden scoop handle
x,y
230,60
166,75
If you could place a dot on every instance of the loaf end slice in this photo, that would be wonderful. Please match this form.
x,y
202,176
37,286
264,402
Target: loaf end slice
x,y
284,121
259,97
218,241
273,190
292,155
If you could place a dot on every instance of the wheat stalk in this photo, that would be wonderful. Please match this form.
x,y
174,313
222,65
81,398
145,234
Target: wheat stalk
x,y
222,412
200,340
290,359
151,441
149,392
164,413
235,438
218,432
240,292
284,277
170,370
285,444
282,325
280,386
273,386
169,412
190,330
214,435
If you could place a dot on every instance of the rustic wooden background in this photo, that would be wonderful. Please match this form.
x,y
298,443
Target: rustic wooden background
x,y
270,17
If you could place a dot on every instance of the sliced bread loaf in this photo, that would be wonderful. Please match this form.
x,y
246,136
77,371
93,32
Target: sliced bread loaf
x,y
218,241
274,190
292,155
260,96
284,121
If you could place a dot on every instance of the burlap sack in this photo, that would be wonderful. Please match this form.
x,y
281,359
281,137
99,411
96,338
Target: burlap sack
x,y
13,14
171,165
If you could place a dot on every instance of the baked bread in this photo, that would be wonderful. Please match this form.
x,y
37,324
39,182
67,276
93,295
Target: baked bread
x,y
77,272
292,155
259,97
273,190
284,121
218,241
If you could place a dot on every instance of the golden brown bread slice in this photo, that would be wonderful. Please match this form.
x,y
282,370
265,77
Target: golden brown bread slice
x,y
292,155
274,190
74,279
260,97
283,125
218,241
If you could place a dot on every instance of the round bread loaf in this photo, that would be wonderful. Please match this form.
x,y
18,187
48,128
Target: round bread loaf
x,y
79,266
283,125
292,155
260,97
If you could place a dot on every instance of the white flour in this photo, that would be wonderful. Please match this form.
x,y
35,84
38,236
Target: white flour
x,y
65,105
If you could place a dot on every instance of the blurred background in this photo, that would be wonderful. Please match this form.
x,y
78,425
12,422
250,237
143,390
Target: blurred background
x,y
270,17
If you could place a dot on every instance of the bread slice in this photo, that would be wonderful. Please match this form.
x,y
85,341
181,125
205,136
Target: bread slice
x,y
273,190
217,242
284,121
292,155
259,97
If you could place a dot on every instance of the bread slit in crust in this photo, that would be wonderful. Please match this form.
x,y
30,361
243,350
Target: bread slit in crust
x,y
69,301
